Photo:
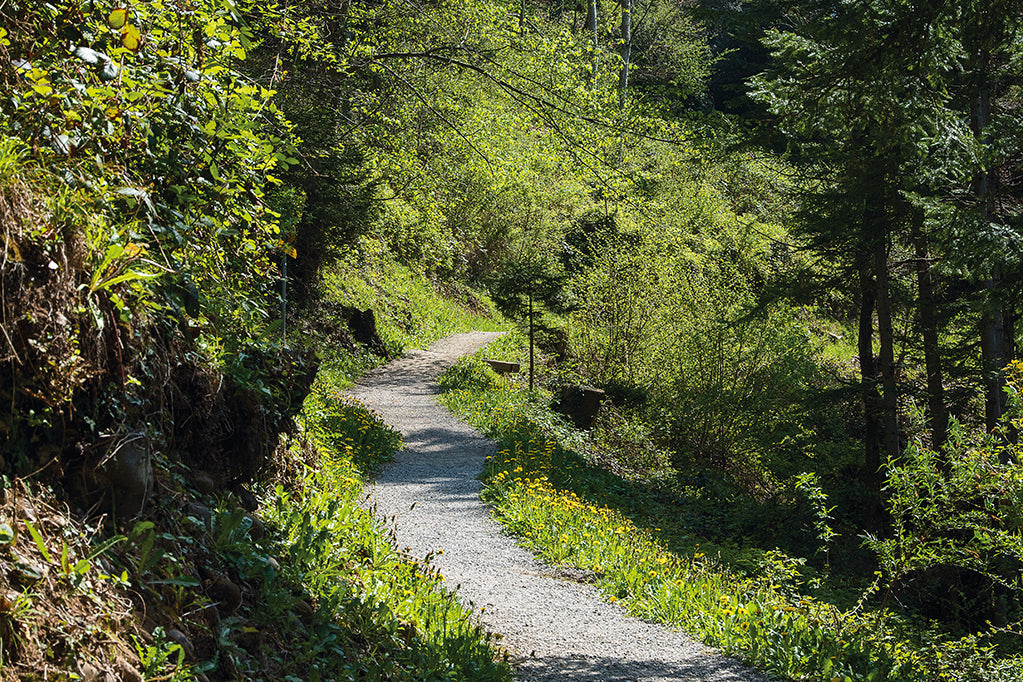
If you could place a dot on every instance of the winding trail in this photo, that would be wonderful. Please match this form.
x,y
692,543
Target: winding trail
x,y
556,628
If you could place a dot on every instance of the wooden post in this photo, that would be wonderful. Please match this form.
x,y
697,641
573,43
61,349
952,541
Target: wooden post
x,y
530,337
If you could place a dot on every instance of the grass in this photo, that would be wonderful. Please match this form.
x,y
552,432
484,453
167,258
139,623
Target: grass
x,y
645,556
412,309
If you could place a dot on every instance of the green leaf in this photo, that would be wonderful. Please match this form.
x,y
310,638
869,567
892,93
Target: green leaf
x,y
131,39
117,18
128,276
104,546
6,534
39,541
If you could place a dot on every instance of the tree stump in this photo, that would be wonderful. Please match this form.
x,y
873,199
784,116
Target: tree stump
x,y
580,404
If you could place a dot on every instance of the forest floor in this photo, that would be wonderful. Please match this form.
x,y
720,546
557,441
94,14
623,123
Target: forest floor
x,y
552,620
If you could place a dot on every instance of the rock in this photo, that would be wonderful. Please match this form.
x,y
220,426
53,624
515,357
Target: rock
x,y
580,404
227,595
203,482
249,638
212,617
246,499
181,639
303,610
89,672
199,512
363,326
27,573
502,367
126,671
128,473
257,531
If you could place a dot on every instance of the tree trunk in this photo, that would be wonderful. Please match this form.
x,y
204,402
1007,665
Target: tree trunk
x,y
591,25
626,51
871,402
623,78
937,413
886,355
995,343
531,337
591,20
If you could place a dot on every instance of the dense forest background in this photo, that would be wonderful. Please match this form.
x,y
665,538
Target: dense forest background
x,y
783,236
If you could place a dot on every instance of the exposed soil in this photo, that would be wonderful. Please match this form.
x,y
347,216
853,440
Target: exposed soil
x,y
555,624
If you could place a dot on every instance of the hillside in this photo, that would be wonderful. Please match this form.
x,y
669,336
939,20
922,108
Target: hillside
x,y
781,239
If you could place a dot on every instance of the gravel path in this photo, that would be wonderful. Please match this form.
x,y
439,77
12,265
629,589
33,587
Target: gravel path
x,y
555,627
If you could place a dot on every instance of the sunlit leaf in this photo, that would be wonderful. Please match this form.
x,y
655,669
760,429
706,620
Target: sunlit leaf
x,y
118,18
131,39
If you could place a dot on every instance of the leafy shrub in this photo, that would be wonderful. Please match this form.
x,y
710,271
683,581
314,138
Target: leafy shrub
x,y
955,548
719,378
470,374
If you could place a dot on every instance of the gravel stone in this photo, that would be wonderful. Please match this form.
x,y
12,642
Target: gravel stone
x,y
553,622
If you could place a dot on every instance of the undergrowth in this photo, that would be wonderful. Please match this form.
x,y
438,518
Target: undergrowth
x,y
644,555
309,588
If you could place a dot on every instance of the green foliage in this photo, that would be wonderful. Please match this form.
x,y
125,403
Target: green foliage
x,y
645,556
473,374
412,309
956,522
529,287
809,485
674,316
341,425
138,184
172,137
